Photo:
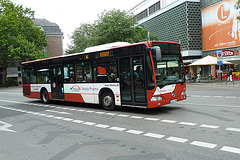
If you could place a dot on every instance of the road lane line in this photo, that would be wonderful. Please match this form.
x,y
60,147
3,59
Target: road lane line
x,y
136,117
100,112
233,129
218,96
176,139
152,119
117,128
230,97
58,112
111,114
123,115
230,149
102,126
188,123
77,121
134,131
206,96
58,117
154,135
203,144
209,126
168,121
67,119
90,111
89,123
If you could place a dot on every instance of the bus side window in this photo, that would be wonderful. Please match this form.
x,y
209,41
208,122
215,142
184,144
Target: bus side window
x,y
69,73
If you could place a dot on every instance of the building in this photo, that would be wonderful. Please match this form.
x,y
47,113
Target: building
x,y
184,21
54,37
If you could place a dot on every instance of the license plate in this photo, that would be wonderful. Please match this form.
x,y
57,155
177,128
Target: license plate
x,y
173,101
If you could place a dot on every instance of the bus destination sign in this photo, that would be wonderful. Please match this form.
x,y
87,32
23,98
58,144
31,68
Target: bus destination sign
x,y
104,54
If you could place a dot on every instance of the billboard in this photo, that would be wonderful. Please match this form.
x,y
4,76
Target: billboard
x,y
220,26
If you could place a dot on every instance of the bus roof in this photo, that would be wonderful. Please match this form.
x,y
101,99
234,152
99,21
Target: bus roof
x,y
97,49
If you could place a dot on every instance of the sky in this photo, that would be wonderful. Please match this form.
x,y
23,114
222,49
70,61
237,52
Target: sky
x,y
69,14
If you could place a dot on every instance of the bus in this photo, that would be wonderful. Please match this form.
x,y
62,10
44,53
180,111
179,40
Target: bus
x,y
146,75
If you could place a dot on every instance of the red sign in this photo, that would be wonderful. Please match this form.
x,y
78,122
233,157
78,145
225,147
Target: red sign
x,y
75,89
227,53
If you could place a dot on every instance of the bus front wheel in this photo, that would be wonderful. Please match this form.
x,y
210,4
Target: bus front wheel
x,y
44,96
107,101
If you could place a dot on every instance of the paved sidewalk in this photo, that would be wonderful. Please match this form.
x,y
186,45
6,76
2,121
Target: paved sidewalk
x,y
215,86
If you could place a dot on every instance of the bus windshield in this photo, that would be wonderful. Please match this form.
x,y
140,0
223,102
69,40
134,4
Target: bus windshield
x,y
170,69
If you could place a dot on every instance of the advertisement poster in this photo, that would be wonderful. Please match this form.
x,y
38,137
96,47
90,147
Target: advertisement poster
x,y
220,26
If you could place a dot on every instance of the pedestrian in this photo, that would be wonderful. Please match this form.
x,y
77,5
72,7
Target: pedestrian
x,y
186,75
229,74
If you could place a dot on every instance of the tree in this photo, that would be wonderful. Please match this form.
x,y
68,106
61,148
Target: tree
x,y
111,26
19,38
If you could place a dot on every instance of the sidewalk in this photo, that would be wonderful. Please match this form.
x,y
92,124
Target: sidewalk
x,y
215,86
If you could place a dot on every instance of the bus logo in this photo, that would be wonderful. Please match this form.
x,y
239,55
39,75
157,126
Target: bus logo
x,y
75,89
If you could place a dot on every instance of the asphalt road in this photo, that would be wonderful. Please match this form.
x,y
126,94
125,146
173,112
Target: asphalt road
x,y
204,127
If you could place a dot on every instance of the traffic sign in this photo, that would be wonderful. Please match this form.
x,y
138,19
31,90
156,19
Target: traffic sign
x,y
219,53
219,63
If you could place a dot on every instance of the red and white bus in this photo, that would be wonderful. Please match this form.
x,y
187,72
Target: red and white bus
x,y
146,75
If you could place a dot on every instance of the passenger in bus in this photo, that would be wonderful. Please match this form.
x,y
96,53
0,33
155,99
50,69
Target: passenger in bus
x,y
46,78
84,79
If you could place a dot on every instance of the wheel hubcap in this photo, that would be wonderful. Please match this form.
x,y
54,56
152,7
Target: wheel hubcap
x,y
107,100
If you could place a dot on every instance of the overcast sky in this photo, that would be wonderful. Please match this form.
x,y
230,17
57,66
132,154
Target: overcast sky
x,y
69,14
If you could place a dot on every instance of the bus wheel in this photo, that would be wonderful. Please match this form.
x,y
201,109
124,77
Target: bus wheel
x,y
107,101
44,96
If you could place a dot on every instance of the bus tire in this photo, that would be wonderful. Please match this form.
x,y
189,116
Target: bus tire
x,y
107,101
44,96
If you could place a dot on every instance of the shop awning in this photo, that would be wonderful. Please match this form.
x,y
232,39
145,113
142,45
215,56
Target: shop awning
x,y
208,60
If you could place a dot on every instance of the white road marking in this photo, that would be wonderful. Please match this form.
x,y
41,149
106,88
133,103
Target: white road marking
x,y
58,112
176,139
209,126
154,135
58,117
111,114
203,144
188,123
90,111
81,110
67,119
72,109
230,149
102,126
136,117
218,96
117,128
152,119
49,116
123,115
89,123
78,121
206,96
100,112
134,131
5,127
168,121
195,96
230,97
233,129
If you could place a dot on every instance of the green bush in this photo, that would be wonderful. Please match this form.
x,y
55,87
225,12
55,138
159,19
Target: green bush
x,y
9,82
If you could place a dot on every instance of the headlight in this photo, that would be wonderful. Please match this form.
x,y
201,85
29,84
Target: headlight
x,y
184,92
156,98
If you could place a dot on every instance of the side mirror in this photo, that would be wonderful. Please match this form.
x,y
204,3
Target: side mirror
x,y
157,51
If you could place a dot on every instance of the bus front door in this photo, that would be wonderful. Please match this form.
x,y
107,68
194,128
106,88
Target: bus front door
x,y
57,82
132,81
